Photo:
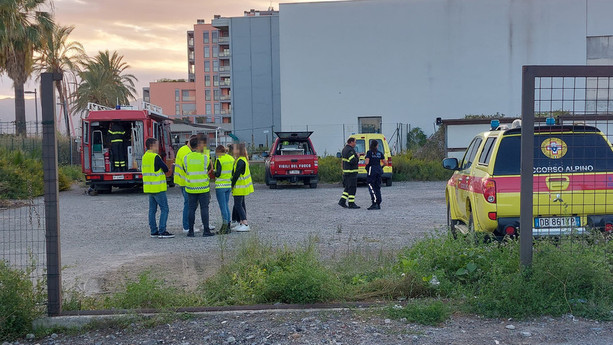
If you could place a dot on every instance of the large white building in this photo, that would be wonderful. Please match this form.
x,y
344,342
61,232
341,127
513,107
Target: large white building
x,y
410,61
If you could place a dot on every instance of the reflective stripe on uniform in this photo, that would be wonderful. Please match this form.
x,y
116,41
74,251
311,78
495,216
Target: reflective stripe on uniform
x,y
350,171
224,181
196,175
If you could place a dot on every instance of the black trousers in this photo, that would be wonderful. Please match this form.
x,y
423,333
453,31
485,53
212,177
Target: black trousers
x,y
119,156
374,187
350,183
202,199
239,211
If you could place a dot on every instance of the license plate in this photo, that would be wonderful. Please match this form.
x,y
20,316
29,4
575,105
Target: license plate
x,y
557,222
294,172
117,177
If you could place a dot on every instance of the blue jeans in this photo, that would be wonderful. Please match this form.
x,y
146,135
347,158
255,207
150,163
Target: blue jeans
x,y
223,198
185,208
155,200
203,200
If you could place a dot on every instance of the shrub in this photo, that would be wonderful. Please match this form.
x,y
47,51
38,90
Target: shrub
x,y
330,170
408,168
258,171
263,274
19,302
572,276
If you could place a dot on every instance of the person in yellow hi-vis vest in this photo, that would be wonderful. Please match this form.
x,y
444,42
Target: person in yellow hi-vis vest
x,y
154,184
241,185
179,179
197,167
223,185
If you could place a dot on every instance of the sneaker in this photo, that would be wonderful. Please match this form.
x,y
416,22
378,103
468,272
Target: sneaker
x,y
207,234
242,228
185,231
166,234
156,235
353,206
233,225
190,234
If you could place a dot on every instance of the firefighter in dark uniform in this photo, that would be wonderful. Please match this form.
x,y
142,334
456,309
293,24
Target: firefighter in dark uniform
x,y
374,170
118,149
350,175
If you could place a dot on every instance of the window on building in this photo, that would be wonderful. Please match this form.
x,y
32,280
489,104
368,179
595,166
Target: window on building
x,y
177,95
217,108
207,52
215,51
216,93
188,95
207,66
177,109
207,80
207,95
216,66
215,34
215,80
208,109
189,109
205,37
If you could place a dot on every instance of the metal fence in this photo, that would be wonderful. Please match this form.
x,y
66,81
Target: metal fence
x,y
566,164
67,148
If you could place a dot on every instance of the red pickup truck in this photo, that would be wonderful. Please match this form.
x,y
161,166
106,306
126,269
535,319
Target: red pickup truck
x,y
292,158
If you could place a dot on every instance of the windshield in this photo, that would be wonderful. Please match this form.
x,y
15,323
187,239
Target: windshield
x,y
557,153
360,146
294,147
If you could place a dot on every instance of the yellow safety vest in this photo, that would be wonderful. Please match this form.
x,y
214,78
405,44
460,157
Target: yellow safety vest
x,y
225,179
179,173
243,185
153,181
196,174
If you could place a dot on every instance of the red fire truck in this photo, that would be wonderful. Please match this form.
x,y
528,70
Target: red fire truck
x,y
138,125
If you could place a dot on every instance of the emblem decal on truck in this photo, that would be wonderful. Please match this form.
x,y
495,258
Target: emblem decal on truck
x,y
554,148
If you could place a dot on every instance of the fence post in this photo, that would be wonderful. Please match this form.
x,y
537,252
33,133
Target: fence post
x,y
50,175
527,165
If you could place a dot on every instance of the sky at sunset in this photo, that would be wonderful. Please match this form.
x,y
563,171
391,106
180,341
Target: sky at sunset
x,y
151,34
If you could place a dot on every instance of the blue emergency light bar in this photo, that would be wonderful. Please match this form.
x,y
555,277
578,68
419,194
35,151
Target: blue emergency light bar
x,y
494,124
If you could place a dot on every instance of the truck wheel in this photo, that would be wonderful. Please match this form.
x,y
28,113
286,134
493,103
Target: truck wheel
x,y
103,190
273,186
388,182
313,185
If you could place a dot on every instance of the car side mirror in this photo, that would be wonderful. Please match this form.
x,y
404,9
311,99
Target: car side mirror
x,y
265,154
451,164
338,155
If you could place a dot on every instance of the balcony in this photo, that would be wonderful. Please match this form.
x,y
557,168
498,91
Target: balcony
x,y
226,111
223,39
224,53
225,83
225,98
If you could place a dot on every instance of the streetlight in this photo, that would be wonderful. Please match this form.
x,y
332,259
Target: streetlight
x,y
35,106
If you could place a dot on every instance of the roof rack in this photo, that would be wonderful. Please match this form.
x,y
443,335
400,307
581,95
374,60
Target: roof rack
x,y
152,108
97,107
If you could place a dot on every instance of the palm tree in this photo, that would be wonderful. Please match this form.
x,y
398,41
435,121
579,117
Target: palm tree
x,y
104,81
60,56
21,27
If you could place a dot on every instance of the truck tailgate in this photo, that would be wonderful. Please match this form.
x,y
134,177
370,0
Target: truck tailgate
x,y
294,165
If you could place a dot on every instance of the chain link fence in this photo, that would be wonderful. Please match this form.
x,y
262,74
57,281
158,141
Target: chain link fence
x,y
566,155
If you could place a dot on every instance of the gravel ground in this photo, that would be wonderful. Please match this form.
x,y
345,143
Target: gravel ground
x,y
106,237
345,327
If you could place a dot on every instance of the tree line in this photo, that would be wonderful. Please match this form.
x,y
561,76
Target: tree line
x,y
32,42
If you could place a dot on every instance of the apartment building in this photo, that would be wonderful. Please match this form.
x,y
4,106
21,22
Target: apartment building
x,y
233,77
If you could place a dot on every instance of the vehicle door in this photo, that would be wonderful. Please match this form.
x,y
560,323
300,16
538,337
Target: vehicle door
x,y
464,178
85,147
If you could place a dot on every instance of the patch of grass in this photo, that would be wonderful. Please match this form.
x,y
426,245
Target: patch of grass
x,y
261,273
569,276
258,172
20,302
425,312
148,292
330,170
408,168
